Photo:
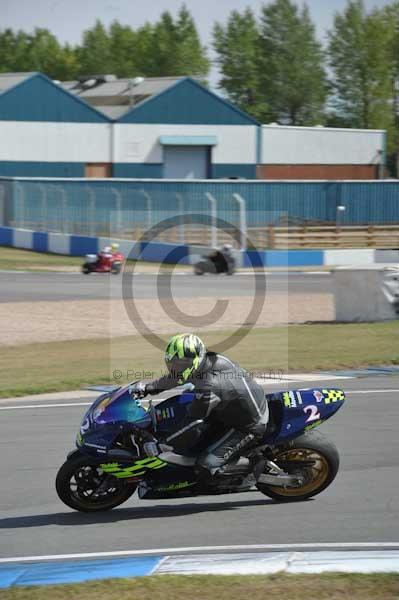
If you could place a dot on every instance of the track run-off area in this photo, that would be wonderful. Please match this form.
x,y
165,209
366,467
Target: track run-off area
x,y
361,506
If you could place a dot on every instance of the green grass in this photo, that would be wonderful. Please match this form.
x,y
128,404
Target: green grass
x,y
58,366
216,587
15,259
26,260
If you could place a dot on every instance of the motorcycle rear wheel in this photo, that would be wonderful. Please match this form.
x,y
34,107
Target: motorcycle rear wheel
x,y
79,480
311,447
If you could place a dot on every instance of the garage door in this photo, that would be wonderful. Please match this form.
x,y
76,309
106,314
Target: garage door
x,y
186,162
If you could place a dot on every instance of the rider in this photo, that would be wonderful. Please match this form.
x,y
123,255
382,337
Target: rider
x,y
225,394
227,251
112,249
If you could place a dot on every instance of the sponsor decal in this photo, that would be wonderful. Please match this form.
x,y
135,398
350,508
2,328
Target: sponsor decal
x,y
165,413
176,486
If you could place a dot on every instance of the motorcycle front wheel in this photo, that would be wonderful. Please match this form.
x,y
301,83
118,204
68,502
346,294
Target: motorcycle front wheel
x,y
83,486
311,456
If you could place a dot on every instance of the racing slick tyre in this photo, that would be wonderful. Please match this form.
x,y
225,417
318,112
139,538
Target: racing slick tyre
x,y
311,455
86,270
83,486
198,271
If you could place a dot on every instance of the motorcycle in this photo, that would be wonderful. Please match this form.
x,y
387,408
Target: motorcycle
x,y
121,448
103,262
216,264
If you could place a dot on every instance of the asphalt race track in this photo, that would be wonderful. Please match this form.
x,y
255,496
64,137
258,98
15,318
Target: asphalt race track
x,y
28,287
361,506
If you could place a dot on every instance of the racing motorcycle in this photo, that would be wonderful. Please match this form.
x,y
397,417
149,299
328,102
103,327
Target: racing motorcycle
x,y
122,447
103,262
216,263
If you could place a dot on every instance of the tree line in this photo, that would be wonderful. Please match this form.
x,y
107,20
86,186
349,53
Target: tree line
x,y
271,64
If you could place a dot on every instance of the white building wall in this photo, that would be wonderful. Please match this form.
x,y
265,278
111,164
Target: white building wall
x,y
55,142
139,143
320,145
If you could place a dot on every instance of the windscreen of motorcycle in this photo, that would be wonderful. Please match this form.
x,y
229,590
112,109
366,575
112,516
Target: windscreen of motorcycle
x,y
117,407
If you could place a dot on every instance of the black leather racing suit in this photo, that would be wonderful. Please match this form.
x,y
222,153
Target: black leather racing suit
x,y
225,394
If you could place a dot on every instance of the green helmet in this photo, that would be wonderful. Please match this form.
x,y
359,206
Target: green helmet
x,y
184,354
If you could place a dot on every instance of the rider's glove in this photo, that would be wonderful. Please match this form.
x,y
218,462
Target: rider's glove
x,y
138,390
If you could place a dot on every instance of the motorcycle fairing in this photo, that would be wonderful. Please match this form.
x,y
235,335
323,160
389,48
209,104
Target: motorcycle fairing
x,y
298,411
102,423
171,411
116,407
139,467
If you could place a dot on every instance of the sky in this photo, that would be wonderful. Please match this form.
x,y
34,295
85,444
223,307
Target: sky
x,y
67,19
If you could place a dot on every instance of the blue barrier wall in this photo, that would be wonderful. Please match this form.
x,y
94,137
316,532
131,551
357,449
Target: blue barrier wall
x,y
283,258
76,245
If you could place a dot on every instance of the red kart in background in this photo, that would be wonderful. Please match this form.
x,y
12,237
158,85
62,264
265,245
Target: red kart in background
x,y
103,262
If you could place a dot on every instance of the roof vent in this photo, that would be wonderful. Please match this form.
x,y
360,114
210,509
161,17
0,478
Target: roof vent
x,y
90,81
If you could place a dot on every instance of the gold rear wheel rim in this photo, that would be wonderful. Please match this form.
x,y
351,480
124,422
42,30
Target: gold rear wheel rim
x,y
316,474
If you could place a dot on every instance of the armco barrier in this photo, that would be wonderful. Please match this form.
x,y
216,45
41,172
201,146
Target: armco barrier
x,y
79,245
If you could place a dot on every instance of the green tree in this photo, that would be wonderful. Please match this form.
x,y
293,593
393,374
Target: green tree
x,y
237,48
38,51
122,50
191,56
164,45
176,47
361,69
14,51
291,70
94,55
7,50
144,51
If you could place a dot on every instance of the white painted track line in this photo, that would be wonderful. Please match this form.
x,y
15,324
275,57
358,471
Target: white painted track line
x,y
27,406
372,392
193,549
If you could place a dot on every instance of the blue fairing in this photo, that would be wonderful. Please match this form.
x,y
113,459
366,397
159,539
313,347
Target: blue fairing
x,y
101,422
171,411
294,412
298,411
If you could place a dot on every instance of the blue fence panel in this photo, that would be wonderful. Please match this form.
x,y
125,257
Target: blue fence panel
x,y
104,207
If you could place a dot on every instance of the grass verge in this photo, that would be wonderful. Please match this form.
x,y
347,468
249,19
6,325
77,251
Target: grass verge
x,y
15,259
27,260
214,587
58,366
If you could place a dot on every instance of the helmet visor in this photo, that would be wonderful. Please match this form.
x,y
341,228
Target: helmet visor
x,y
179,365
